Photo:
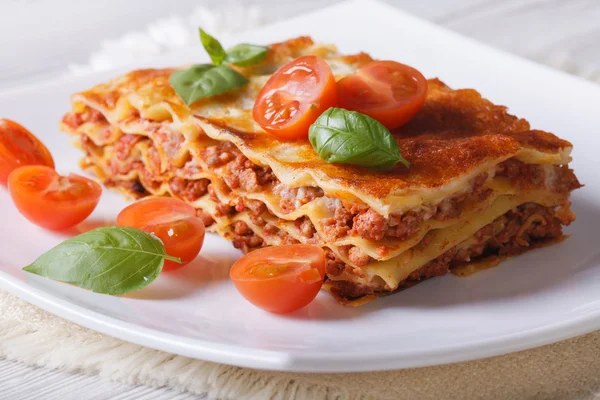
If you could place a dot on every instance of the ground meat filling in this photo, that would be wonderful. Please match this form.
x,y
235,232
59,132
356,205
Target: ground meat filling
x,y
224,210
521,173
244,238
75,120
122,151
220,154
206,218
370,225
512,233
358,257
373,226
90,148
255,210
338,225
294,198
240,173
560,179
189,190
241,228
333,266
306,227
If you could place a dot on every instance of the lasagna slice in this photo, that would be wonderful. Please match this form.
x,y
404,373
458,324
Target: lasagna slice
x,y
481,183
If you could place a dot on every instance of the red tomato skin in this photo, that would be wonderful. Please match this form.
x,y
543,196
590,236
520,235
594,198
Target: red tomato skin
x,y
173,221
186,251
311,106
394,114
19,147
283,293
43,209
298,295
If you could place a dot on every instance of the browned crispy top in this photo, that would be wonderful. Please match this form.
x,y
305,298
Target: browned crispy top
x,y
455,132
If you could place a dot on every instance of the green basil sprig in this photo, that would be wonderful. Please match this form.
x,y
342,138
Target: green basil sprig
x,y
213,47
242,54
245,54
205,80
111,260
349,137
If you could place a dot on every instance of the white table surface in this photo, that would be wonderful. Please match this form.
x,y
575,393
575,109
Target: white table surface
x,y
39,38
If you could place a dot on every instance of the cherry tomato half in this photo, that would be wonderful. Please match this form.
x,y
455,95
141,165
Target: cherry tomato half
x,y
295,96
390,92
280,279
50,200
173,221
19,147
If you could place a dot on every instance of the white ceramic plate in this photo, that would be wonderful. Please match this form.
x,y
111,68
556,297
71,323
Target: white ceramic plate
x,y
538,298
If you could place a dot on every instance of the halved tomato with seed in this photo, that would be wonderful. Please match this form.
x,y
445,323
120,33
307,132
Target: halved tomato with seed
x,y
295,96
19,147
173,221
50,200
390,92
280,279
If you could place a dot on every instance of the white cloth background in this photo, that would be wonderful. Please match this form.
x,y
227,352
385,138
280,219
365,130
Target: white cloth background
x,y
562,34
39,38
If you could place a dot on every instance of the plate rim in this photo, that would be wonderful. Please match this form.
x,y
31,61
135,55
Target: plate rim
x,y
281,360
301,361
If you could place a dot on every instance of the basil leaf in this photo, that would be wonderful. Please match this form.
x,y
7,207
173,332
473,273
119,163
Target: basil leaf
x,y
205,80
246,54
213,47
110,260
349,137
